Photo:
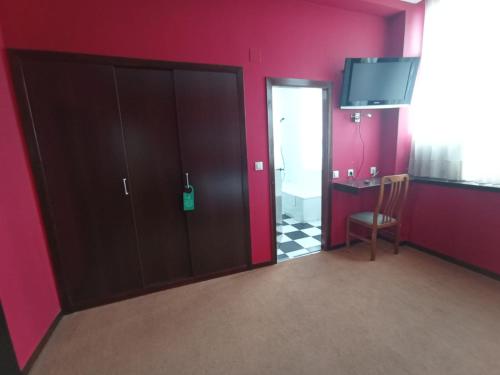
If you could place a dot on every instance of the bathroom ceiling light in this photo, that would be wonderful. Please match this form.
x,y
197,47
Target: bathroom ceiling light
x,y
411,1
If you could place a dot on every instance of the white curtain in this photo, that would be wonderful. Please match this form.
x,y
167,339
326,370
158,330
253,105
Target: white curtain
x,y
454,117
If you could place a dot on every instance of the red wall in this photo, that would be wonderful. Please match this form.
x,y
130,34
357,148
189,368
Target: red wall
x,y
27,289
404,32
295,39
461,223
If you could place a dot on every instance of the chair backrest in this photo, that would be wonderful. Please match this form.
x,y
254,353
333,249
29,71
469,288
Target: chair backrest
x,y
391,204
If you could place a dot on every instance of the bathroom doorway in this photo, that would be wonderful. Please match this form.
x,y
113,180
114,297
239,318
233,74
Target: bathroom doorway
x,y
299,127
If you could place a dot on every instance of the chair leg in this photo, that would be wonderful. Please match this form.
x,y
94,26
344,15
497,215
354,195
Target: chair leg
x,y
347,235
397,239
373,243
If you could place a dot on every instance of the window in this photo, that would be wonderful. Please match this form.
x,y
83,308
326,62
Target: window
x,y
455,121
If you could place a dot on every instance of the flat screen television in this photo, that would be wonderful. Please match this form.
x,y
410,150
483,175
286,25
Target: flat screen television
x,y
378,82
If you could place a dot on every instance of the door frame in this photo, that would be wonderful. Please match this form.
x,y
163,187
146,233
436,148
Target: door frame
x,y
326,208
16,58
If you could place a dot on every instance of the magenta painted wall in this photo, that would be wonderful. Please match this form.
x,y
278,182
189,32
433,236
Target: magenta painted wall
x,y
395,37
27,289
461,223
414,28
295,39
404,31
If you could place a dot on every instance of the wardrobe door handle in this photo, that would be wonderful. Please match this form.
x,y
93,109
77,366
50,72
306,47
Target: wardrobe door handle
x,y
125,186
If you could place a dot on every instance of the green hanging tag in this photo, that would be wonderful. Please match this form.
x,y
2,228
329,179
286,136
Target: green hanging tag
x,y
188,198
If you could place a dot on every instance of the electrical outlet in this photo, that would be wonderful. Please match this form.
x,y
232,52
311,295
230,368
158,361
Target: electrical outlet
x,y
373,171
350,172
335,174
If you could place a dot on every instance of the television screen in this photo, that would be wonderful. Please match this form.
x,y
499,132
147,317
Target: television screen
x,y
378,82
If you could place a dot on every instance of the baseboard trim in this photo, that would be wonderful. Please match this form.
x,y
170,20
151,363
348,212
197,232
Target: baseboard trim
x,y
336,247
453,260
343,244
39,348
156,288
264,264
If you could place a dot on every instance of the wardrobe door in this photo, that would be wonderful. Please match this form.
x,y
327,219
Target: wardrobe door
x,y
149,121
79,138
212,147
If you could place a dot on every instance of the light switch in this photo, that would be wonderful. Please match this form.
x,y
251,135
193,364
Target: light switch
x,y
335,174
259,165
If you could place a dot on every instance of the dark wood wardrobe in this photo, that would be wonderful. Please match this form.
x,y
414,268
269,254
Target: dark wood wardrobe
x,y
112,143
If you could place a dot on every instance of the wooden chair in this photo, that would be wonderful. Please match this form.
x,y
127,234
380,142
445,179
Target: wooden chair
x,y
387,214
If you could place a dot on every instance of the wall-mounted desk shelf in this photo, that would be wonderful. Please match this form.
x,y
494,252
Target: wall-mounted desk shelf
x,y
356,186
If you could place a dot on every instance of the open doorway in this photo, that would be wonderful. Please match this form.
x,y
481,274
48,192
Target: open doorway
x,y
299,127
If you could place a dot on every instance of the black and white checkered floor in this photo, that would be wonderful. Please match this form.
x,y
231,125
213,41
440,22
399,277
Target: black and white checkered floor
x,y
296,239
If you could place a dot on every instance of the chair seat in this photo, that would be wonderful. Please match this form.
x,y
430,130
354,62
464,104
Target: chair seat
x,y
367,217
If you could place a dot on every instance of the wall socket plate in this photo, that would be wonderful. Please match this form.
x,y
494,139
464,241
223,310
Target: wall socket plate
x,y
335,174
350,172
373,171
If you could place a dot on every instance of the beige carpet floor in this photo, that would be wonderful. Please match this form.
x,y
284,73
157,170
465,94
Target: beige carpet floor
x,y
330,313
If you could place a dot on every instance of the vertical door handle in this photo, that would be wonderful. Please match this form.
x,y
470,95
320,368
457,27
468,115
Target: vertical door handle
x,y
187,180
125,186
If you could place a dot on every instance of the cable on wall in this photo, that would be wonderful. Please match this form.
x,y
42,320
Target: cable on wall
x,y
363,151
